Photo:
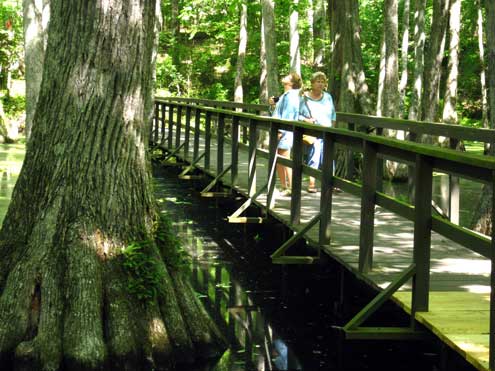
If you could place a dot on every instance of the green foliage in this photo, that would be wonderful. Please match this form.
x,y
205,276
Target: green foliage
x,y
13,105
143,269
11,39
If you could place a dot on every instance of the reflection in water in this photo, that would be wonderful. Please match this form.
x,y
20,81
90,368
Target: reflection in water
x,y
228,295
276,318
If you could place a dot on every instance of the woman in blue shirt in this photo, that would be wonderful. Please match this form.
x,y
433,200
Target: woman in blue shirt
x,y
317,107
287,108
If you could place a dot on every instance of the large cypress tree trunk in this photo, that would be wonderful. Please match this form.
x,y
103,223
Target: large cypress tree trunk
x,y
68,293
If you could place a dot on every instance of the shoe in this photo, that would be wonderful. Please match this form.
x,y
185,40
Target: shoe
x,y
311,190
336,190
286,192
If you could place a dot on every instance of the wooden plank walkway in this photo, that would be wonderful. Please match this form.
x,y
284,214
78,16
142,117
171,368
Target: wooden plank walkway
x,y
459,279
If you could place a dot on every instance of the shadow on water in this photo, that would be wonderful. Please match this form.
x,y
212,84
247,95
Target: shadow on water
x,y
279,317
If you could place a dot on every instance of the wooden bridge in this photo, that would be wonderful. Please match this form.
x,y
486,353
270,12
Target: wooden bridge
x,y
437,271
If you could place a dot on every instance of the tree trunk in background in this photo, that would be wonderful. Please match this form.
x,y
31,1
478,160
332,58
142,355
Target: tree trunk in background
x,y
268,53
482,220
319,33
310,16
481,48
381,75
404,55
347,78
391,98
335,18
175,31
449,115
241,54
415,109
82,197
295,54
433,66
36,14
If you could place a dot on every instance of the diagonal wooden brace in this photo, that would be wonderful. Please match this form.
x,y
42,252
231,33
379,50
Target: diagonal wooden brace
x,y
206,192
278,256
184,174
236,218
353,329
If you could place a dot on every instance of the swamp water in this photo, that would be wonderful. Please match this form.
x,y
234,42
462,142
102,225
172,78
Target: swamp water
x,y
276,318
280,317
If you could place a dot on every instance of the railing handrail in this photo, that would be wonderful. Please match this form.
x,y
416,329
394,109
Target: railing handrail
x,y
417,127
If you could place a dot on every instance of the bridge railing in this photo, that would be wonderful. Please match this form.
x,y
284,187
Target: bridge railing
x,y
174,131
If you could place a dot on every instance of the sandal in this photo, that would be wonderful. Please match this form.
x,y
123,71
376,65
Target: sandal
x,y
311,190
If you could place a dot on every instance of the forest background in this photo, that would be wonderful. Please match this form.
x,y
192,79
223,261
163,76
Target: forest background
x,y
209,50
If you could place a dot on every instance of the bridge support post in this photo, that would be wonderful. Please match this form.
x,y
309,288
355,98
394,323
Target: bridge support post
x,y
422,232
368,196
326,189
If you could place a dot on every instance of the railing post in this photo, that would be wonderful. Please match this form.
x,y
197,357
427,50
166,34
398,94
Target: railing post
x,y
379,167
454,190
220,141
163,106
272,154
235,151
422,232
187,133
295,204
170,125
410,170
368,197
197,132
155,126
253,142
350,156
179,126
326,189
207,139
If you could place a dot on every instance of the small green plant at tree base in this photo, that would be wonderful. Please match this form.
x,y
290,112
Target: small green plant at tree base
x,y
142,266
170,246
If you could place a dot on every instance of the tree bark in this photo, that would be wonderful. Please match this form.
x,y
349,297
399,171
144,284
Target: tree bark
x,y
433,66
482,220
241,54
36,14
481,48
83,197
295,55
449,115
319,33
404,54
415,110
268,52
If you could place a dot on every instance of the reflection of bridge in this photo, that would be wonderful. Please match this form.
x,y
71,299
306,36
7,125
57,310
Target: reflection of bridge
x,y
439,272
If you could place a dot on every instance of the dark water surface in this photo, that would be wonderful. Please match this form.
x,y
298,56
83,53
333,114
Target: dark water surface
x,y
279,318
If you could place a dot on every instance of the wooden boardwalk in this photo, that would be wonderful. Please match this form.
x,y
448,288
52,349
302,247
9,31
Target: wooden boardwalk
x,y
459,295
